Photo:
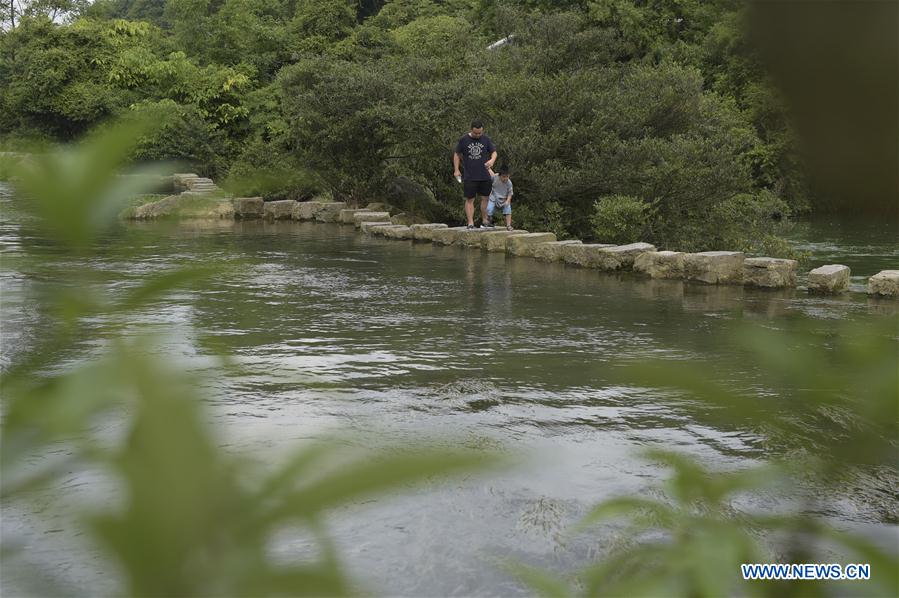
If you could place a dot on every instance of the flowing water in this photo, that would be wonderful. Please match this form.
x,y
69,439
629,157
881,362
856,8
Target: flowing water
x,y
338,332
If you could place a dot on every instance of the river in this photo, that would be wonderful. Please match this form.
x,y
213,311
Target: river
x,y
338,332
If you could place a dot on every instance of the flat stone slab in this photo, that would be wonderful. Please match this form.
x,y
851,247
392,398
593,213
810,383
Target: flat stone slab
x,y
447,236
381,230
524,245
551,251
769,272
360,217
660,264
279,210
585,255
831,278
305,210
329,211
884,284
425,232
496,240
714,267
180,180
621,257
185,206
471,237
346,215
398,231
248,207
366,227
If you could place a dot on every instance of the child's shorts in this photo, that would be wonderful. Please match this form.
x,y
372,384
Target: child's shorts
x,y
492,205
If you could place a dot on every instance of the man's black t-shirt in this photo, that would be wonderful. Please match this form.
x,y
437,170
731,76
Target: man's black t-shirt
x,y
474,153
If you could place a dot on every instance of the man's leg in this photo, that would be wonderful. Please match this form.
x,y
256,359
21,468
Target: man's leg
x,y
484,209
469,210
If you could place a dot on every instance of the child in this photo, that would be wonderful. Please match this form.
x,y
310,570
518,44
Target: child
x,y
500,196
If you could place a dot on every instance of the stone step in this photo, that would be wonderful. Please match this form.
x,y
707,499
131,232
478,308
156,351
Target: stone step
x,y
769,272
425,232
714,267
831,278
360,217
551,251
524,245
496,240
884,284
367,225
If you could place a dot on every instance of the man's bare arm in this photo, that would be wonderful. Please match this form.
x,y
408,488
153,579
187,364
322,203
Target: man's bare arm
x,y
456,164
489,163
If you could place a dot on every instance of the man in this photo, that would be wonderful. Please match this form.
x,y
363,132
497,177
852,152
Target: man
x,y
477,153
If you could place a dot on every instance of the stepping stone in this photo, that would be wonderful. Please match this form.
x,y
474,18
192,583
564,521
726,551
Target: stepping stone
x,y
278,210
884,284
832,278
769,272
346,215
366,227
360,217
496,240
524,245
329,211
714,267
381,230
305,210
398,231
471,237
551,251
248,207
425,232
660,264
621,257
586,255
447,236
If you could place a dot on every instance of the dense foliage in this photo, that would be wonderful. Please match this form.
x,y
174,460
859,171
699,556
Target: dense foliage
x,y
657,101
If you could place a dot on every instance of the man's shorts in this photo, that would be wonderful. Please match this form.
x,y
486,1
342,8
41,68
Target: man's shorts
x,y
493,204
473,188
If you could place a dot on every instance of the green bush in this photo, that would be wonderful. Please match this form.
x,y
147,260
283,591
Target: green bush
x,y
550,218
619,219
